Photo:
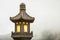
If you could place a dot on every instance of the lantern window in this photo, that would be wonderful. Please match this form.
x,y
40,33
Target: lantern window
x,y
18,28
25,28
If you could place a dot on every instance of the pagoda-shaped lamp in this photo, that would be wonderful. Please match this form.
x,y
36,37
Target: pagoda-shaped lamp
x,y
22,25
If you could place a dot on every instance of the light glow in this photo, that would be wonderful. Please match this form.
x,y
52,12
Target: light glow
x,y
23,22
16,22
19,22
18,28
25,28
26,22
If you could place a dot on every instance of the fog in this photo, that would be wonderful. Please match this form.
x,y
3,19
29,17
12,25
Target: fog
x,y
46,13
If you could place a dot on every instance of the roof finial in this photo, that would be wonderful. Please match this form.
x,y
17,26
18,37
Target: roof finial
x,y
22,6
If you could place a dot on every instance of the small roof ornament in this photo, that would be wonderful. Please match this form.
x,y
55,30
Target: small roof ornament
x,y
22,16
22,6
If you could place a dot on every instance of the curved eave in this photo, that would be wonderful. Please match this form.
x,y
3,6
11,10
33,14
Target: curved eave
x,y
22,19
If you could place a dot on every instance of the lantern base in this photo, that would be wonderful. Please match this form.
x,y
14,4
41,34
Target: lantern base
x,y
22,36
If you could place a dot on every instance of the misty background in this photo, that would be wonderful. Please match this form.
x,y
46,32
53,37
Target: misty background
x,y
46,13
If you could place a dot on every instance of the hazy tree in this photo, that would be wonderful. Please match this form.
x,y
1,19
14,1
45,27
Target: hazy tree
x,y
46,35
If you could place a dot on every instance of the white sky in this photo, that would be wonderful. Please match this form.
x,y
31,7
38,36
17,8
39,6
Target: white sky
x,y
46,13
